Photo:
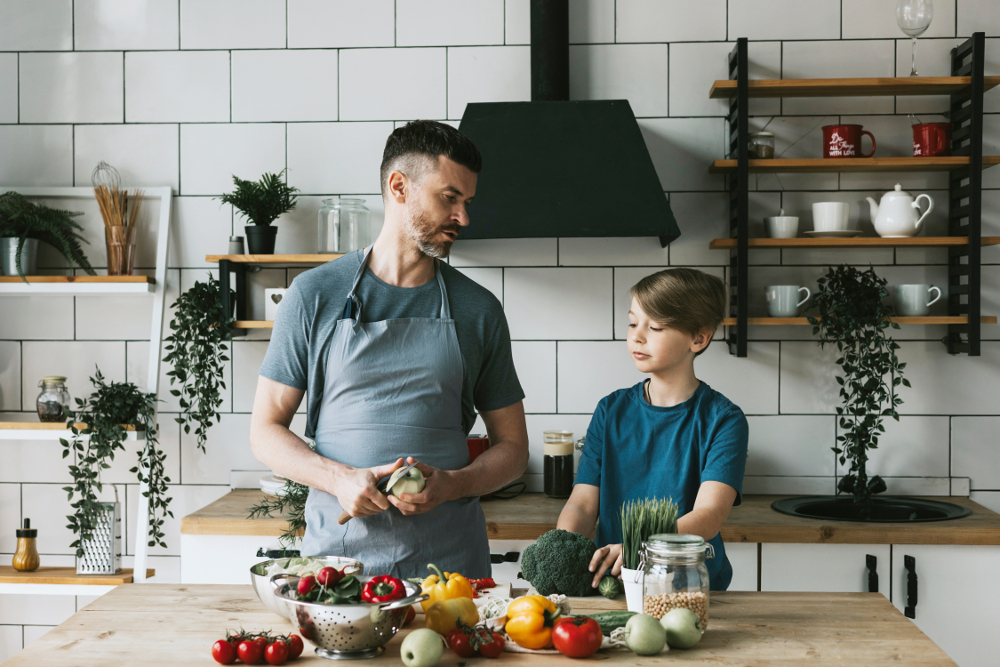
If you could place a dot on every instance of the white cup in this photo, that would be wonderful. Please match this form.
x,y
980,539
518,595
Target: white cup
x,y
914,300
782,226
831,216
783,300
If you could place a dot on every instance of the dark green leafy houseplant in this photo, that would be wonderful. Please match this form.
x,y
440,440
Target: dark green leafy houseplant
x,y
104,414
196,348
853,317
292,504
261,202
23,220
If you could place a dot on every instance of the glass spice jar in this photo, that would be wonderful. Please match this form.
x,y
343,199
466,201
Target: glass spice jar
x,y
675,575
557,464
761,145
344,225
53,400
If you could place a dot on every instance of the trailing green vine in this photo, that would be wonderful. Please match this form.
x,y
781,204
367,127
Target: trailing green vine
x,y
293,504
103,415
852,315
197,350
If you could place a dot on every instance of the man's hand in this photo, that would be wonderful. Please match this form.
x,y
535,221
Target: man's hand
x,y
355,489
609,556
439,489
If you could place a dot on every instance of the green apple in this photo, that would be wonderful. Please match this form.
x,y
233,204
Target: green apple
x,y
645,635
412,481
683,628
422,648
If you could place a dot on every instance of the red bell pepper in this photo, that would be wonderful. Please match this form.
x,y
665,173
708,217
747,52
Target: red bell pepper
x,y
384,588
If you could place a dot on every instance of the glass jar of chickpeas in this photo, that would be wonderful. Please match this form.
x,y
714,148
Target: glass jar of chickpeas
x,y
675,575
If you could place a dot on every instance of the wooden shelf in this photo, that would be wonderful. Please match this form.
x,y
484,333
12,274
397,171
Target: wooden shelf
x,y
856,242
802,321
77,285
858,164
887,86
65,575
275,259
28,430
253,324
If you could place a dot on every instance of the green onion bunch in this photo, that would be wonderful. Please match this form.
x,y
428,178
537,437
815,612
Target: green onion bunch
x,y
642,518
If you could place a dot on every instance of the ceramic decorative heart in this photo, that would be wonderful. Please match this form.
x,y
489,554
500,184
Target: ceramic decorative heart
x,y
276,298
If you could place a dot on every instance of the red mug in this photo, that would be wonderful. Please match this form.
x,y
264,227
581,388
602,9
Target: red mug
x,y
930,139
845,141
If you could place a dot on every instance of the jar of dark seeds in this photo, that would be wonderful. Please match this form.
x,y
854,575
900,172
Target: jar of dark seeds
x,y
761,145
675,575
52,402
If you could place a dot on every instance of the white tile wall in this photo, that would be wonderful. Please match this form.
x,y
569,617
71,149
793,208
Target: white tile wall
x,y
308,85
695,66
40,25
505,252
75,360
591,21
340,23
232,24
420,91
563,304
487,74
848,58
36,155
977,16
21,319
186,87
599,72
785,19
517,21
212,154
201,226
449,22
682,149
10,641
8,87
144,155
123,24
974,451
873,19
535,362
314,170
670,21
10,516
590,370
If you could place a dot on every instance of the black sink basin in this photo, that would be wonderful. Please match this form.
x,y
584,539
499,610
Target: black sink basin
x,y
886,509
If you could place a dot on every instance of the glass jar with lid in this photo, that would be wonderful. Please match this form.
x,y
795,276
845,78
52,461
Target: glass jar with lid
x,y
557,463
54,399
675,575
344,225
761,145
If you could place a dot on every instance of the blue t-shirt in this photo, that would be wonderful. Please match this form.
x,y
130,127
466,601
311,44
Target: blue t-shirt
x,y
635,450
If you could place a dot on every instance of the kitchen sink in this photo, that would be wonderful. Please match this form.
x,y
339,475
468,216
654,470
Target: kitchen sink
x,y
886,509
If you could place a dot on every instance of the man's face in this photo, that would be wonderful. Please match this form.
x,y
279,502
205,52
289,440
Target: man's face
x,y
436,211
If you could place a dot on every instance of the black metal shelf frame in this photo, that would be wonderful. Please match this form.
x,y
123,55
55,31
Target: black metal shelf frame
x,y
965,198
233,303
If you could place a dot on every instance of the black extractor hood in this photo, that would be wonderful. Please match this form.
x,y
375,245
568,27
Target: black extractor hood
x,y
552,167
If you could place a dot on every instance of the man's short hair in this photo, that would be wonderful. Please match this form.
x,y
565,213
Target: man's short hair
x,y
684,299
415,147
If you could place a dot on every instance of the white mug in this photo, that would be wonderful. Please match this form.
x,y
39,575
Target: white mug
x,y
782,300
782,226
831,216
912,300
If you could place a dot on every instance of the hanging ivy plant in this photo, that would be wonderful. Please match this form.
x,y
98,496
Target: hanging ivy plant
x,y
104,414
292,503
853,317
197,347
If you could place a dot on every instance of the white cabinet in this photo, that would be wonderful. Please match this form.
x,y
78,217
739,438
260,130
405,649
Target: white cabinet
x,y
743,557
826,568
958,598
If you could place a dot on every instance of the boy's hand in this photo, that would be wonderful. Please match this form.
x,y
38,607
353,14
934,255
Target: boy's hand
x,y
607,559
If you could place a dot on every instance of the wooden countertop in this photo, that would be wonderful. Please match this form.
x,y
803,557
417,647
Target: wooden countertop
x,y
531,514
155,625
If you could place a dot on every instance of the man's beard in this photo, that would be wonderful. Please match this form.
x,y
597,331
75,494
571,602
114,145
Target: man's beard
x,y
422,230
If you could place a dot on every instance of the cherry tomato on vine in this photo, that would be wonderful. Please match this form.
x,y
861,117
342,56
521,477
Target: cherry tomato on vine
x,y
460,642
276,653
249,652
224,652
295,646
494,648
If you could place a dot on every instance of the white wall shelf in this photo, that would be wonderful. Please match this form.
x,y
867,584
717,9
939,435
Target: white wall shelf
x,y
49,431
76,285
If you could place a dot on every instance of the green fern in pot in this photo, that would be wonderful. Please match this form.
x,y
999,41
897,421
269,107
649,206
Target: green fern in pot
x,y
261,202
24,223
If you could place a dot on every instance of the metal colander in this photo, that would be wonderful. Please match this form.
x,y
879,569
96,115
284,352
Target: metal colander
x,y
346,631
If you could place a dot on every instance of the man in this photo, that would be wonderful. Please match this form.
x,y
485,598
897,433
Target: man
x,y
397,351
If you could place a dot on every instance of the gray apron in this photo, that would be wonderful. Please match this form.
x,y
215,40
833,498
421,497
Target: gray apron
x,y
394,389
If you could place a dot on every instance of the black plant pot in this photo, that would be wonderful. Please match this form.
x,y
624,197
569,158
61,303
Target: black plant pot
x,y
260,239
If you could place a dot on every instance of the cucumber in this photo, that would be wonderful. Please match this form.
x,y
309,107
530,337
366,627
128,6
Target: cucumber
x,y
609,620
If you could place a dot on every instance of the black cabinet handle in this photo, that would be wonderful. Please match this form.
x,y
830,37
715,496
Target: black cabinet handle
x,y
872,563
910,563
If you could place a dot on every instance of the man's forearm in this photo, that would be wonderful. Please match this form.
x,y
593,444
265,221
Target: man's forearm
x,y
288,455
498,466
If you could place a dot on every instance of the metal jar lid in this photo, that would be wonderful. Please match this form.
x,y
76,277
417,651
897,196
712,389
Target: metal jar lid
x,y
679,544
51,379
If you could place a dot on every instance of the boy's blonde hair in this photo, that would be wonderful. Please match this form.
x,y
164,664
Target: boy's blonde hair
x,y
684,299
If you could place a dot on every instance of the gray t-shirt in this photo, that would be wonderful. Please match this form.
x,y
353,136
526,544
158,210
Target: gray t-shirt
x,y
300,341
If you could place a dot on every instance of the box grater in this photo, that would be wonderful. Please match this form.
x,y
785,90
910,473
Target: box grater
x,y
102,554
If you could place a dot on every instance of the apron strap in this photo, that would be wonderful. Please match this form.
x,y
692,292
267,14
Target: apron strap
x,y
352,299
445,308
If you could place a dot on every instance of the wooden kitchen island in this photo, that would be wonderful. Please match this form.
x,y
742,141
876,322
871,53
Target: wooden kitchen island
x,y
156,625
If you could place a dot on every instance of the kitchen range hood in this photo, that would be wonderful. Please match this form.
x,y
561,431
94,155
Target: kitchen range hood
x,y
552,167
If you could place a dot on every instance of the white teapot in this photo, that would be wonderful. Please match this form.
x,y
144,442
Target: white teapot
x,y
898,215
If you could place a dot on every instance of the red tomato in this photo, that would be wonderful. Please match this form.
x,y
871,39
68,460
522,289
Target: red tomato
x,y
224,652
494,648
262,642
411,614
328,576
295,646
459,642
306,584
577,636
249,652
276,653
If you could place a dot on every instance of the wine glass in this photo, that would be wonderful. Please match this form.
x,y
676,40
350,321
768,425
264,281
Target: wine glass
x,y
914,17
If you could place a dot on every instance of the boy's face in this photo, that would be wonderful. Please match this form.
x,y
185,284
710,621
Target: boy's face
x,y
655,348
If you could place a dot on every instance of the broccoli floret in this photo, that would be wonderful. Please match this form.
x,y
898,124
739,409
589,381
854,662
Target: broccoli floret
x,y
558,563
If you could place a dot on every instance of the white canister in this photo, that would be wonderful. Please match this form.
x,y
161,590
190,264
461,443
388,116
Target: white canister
x,y
632,580
272,299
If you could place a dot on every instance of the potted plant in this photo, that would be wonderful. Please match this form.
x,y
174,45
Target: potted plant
x,y
639,520
23,224
103,417
196,348
261,203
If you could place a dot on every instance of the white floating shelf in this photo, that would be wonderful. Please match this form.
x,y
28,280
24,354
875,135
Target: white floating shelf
x,y
76,285
48,431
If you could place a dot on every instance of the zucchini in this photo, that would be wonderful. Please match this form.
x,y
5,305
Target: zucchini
x,y
609,620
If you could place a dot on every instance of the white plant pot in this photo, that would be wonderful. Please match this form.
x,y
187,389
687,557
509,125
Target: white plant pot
x,y
633,589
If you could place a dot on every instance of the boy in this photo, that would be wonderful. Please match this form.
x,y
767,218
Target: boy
x,y
670,436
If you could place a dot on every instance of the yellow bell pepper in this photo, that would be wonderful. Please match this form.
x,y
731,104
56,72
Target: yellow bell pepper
x,y
444,586
446,615
530,620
